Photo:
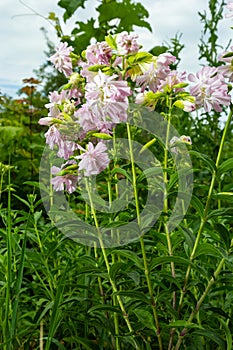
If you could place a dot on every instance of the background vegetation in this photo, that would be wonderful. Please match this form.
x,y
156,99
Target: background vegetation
x,y
57,294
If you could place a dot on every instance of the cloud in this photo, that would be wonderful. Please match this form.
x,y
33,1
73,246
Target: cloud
x,y
23,44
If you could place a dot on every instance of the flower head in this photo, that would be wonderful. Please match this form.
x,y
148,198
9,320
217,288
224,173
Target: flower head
x,y
127,43
61,59
66,182
227,69
210,89
94,159
229,6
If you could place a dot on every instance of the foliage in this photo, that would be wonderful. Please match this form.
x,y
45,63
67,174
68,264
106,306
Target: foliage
x,y
21,140
169,289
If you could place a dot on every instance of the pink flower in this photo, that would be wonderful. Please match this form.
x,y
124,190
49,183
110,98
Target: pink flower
x,y
229,6
53,137
45,121
107,88
61,59
94,159
127,43
189,106
172,79
99,53
56,100
66,148
86,118
210,89
60,183
155,72
227,69
108,98
177,143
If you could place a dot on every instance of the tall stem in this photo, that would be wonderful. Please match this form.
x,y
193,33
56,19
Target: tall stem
x,y
200,301
6,320
146,269
165,209
207,205
114,288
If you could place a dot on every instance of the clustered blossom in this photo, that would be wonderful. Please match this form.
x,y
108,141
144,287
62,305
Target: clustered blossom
x,y
177,143
126,43
66,182
227,69
94,159
229,7
101,84
61,59
210,89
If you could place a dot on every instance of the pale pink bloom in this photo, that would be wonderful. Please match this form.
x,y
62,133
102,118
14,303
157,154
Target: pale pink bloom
x,y
46,121
209,89
110,112
229,6
149,78
227,69
106,88
127,43
53,137
155,72
86,118
189,106
108,98
164,60
99,53
176,143
94,159
66,148
56,100
66,182
173,78
61,59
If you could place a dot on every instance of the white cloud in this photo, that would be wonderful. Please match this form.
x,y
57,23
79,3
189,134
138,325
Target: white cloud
x,y
23,44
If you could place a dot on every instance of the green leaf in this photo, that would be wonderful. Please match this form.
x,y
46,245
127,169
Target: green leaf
x,y
158,50
206,160
197,205
70,6
149,172
131,256
176,259
228,334
227,212
104,307
22,200
122,172
226,166
140,57
223,195
224,234
145,317
135,295
129,15
83,33
207,249
115,268
205,333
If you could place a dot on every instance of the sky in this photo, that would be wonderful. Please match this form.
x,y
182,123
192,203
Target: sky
x,y
23,43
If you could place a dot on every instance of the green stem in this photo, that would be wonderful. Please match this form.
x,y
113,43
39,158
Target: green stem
x,y
205,215
6,330
146,269
165,209
114,288
200,301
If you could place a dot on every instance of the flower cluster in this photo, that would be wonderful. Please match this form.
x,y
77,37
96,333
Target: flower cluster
x,y
102,82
